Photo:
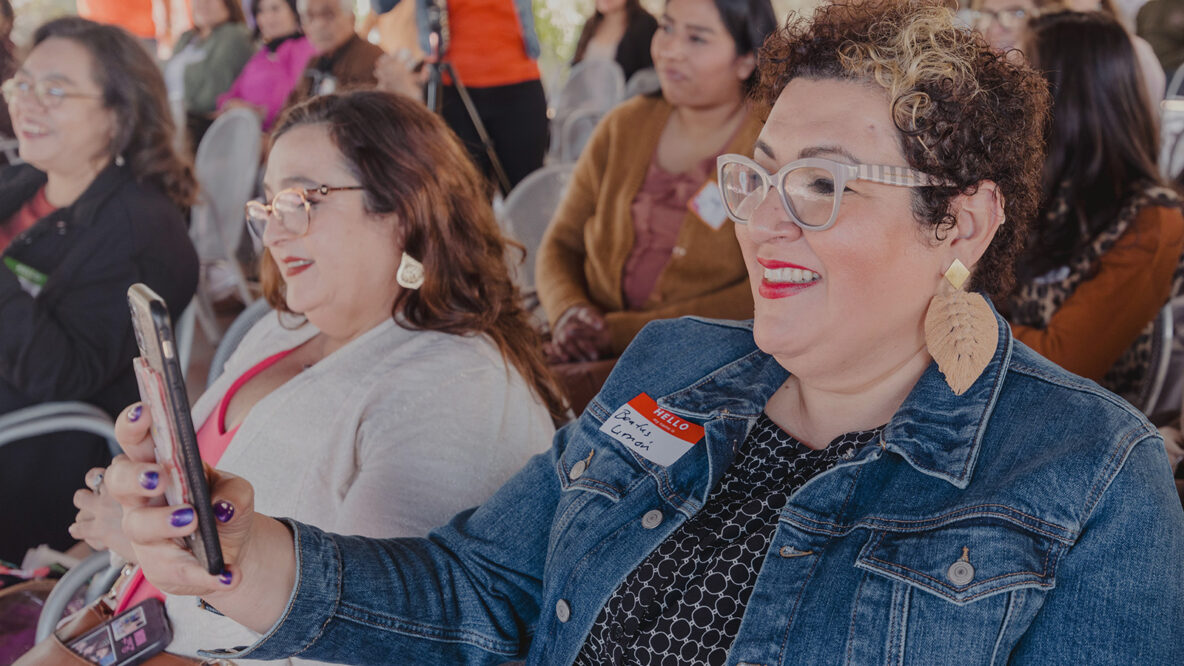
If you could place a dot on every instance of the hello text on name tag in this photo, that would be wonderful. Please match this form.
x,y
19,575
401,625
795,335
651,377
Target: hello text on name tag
x,y
652,432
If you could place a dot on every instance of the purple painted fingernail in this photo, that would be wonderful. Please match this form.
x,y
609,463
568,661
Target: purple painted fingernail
x,y
182,517
226,577
133,414
149,480
223,511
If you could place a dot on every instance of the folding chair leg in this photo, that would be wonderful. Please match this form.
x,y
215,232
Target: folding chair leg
x,y
206,318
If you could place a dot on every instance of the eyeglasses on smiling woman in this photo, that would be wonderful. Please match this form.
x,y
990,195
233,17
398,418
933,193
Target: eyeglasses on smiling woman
x,y
811,189
48,95
290,208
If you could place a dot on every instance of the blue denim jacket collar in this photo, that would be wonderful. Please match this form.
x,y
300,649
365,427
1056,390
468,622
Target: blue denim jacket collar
x,y
937,432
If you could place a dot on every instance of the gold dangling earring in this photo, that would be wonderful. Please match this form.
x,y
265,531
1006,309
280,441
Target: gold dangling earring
x,y
410,273
960,330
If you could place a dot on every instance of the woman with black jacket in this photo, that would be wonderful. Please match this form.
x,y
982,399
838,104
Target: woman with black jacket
x,y
621,30
96,208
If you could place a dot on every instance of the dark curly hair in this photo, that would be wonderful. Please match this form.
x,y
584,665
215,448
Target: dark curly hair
x,y
412,166
964,112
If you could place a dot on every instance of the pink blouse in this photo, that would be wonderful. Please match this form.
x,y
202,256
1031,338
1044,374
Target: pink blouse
x,y
269,76
658,211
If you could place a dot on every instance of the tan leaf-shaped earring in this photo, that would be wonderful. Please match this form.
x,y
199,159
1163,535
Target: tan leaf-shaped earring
x,y
960,330
410,273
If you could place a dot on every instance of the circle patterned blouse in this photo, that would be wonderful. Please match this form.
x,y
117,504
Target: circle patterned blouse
x,y
684,602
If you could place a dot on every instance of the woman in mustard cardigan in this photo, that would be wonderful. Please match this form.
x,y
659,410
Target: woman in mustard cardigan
x,y
642,234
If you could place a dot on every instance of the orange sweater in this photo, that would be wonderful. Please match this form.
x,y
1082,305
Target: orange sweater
x,y
1105,314
583,252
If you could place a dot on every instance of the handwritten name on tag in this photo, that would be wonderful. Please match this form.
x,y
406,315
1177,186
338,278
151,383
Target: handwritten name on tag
x,y
654,433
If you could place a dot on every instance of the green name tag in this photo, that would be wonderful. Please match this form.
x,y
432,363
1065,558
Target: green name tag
x,y
31,278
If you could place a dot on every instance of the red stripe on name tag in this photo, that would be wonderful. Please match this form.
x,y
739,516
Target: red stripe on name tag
x,y
664,419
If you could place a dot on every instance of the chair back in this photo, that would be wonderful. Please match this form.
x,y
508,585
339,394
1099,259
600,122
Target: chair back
x,y
643,82
64,416
10,149
527,213
597,83
1171,137
1165,377
234,335
226,164
576,131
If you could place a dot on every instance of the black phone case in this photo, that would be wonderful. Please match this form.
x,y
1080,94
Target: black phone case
x,y
204,542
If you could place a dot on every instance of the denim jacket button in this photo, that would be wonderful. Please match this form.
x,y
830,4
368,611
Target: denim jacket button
x,y
960,573
577,470
651,519
562,610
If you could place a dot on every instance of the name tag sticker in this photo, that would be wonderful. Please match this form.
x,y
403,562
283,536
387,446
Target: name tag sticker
x,y
654,433
708,204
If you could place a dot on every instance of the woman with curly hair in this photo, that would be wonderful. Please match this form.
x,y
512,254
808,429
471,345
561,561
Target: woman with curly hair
x,y
1104,254
871,471
96,208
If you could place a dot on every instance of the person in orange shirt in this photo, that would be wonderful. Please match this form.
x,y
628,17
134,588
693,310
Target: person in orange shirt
x,y
1104,253
493,47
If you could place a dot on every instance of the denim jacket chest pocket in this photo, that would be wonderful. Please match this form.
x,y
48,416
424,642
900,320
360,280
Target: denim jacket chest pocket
x,y
965,588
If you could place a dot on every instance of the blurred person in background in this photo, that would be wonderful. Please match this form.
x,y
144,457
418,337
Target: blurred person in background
x,y
270,75
1002,22
96,208
8,65
1104,252
493,46
206,61
619,30
640,235
1149,65
342,60
1161,23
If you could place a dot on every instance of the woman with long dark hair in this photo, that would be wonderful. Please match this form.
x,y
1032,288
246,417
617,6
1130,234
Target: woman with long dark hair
x,y
639,235
96,208
1104,254
619,30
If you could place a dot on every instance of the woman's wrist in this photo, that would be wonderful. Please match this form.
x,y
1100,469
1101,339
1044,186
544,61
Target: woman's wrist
x,y
266,568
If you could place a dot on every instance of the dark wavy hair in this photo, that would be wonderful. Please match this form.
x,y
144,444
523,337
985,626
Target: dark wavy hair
x,y
1103,142
413,167
749,22
133,88
964,112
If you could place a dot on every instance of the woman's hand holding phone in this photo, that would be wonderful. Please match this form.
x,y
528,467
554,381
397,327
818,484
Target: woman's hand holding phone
x,y
258,551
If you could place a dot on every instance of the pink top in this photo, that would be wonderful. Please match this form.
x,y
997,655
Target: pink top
x,y
269,76
212,440
658,211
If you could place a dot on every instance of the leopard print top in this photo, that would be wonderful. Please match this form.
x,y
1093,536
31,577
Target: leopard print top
x,y
1034,303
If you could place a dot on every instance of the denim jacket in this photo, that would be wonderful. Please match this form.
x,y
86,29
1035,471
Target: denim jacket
x,y
1031,520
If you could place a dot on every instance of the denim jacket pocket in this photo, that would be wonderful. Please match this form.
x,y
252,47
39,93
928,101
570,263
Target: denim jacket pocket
x,y
964,561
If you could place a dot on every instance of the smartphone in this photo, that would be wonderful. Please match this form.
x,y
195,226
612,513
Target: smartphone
x,y
128,638
162,389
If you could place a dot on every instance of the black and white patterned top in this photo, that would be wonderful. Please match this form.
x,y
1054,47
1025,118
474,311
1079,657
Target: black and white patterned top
x,y
684,602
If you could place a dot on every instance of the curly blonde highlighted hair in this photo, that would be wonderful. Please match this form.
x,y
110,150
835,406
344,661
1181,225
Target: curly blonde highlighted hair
x,y
964,112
